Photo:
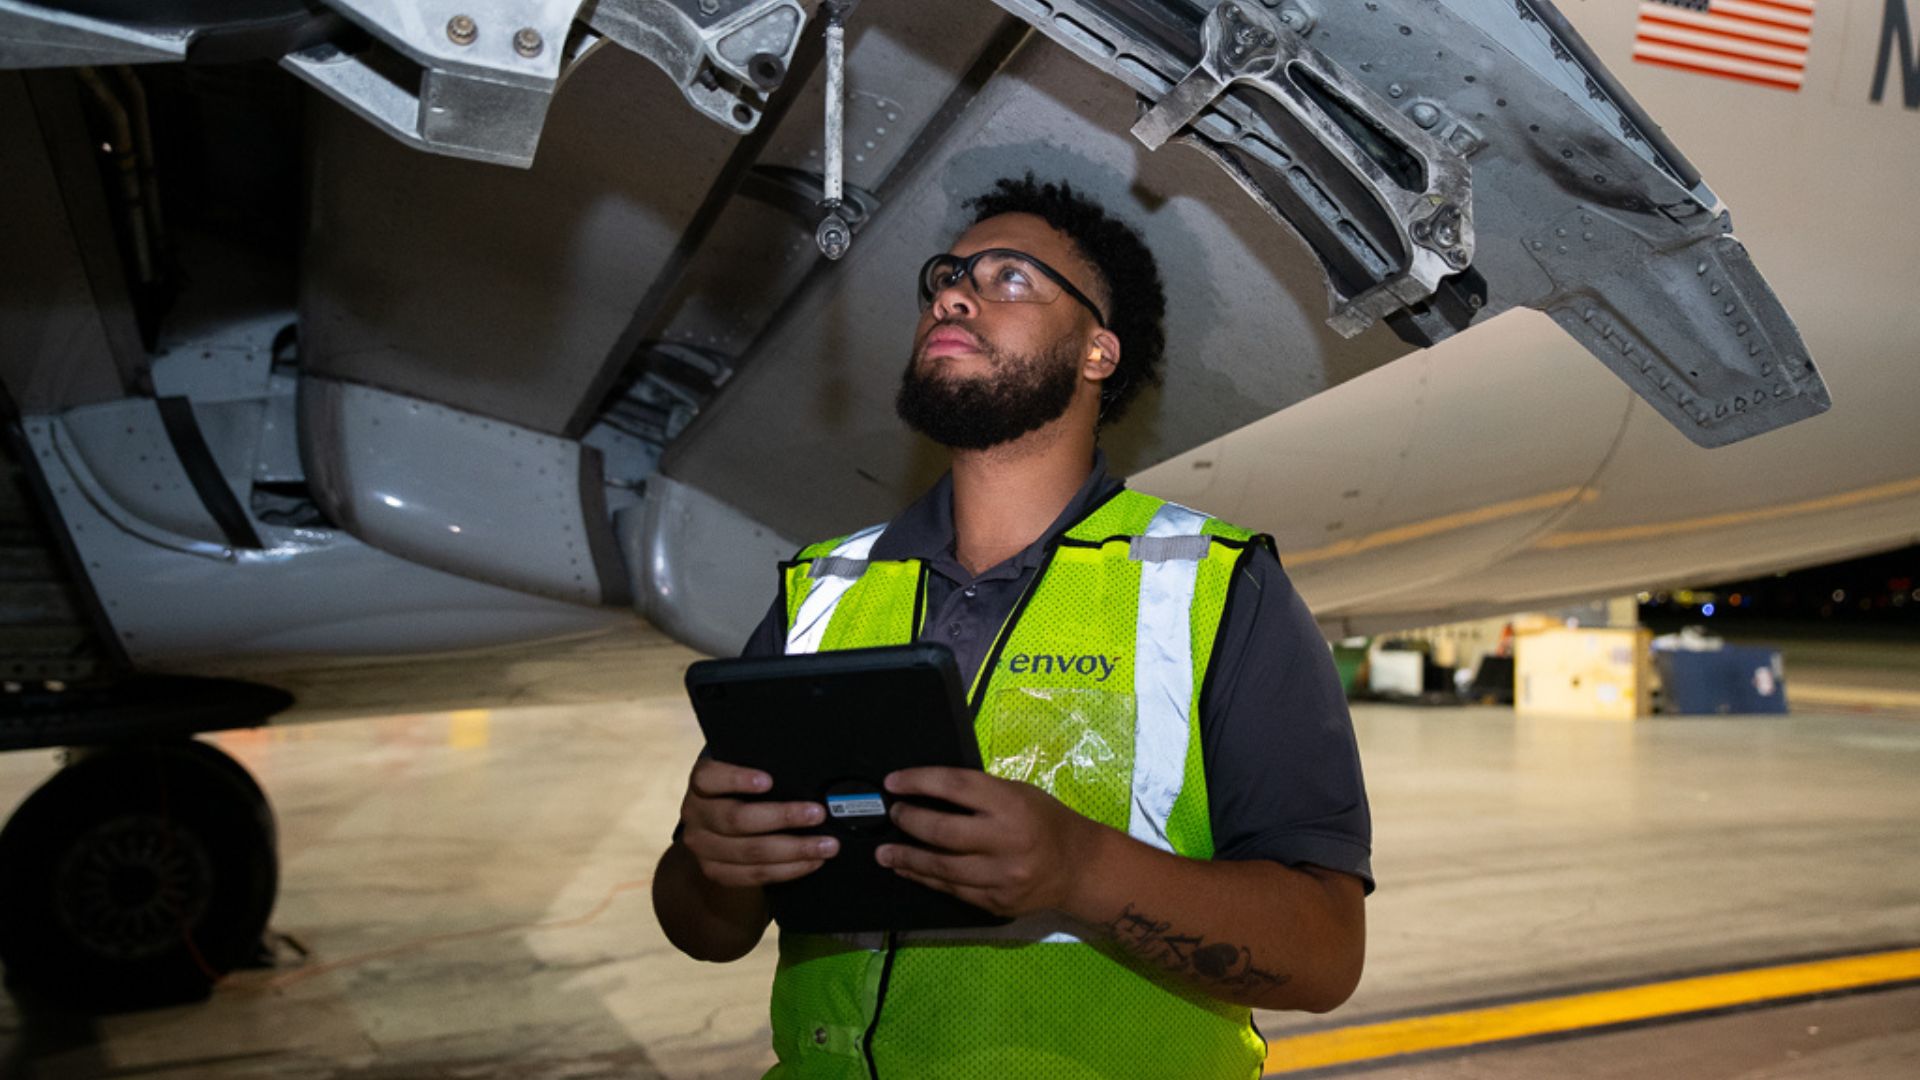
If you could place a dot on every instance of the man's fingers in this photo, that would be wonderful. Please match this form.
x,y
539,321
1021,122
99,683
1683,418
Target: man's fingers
x,y
954,832
736,818
712,779
711,847
977,897
930,882
736,874
964,787
952,869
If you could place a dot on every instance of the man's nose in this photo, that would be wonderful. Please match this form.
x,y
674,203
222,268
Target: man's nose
x,y
956,301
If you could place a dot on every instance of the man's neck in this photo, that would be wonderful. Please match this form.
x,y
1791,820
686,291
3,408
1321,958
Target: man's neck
x,y
1005,497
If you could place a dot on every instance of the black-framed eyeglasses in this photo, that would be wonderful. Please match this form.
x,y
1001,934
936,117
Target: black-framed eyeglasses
x,y
1002,275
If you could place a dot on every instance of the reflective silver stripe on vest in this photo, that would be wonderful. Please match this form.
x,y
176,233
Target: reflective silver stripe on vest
x,y
836,566
1163,671
816,611
1165,548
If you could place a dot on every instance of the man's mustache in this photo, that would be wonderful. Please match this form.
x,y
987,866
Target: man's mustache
x,y
979,342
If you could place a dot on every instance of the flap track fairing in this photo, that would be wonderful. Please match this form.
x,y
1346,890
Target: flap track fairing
x,y
1445,160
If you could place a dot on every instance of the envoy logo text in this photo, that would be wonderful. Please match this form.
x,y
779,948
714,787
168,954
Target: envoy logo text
x,y
1062,664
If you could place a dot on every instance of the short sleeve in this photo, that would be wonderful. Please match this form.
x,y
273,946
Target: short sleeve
x,y
1283,768
769,638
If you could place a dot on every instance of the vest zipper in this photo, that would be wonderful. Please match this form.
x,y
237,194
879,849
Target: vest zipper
x,y
879,1001
976,696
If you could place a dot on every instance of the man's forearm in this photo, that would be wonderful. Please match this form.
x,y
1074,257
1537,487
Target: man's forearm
x,y
1256,933
702,919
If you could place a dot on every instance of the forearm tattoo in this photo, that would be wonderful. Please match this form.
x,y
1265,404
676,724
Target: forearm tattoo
x,y
1220,964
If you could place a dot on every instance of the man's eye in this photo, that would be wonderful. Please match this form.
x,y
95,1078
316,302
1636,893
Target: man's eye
x,y
1011,275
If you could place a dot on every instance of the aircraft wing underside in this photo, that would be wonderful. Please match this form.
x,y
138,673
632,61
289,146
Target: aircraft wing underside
x,y
637,309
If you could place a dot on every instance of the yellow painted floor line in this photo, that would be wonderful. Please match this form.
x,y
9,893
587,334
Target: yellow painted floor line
x,y
1817,693
1577,1012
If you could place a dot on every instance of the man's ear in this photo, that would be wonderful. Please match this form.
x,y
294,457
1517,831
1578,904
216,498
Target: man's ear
x,y
1103,356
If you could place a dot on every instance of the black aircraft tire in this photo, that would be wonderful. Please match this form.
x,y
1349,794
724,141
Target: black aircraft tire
x,y
136,877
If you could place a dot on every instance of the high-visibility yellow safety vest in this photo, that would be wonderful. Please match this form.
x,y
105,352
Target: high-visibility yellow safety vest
x,y
1091,690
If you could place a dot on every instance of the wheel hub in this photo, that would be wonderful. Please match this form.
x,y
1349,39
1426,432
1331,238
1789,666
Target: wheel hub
x,y
133,886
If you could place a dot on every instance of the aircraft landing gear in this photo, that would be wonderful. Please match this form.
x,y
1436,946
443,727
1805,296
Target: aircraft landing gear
x,y
135,877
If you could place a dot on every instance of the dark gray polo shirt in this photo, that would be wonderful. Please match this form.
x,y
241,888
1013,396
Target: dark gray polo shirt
x,y
1283,773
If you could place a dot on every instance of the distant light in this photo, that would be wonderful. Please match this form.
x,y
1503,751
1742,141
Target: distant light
x,y
392,501
1645,598
1916,594
1707,610
1734,600
453,528
1839,596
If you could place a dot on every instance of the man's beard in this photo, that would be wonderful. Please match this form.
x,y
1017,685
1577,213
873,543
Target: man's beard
x,y
1019,394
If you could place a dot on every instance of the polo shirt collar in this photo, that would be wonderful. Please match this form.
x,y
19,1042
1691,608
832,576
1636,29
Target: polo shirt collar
x,y
924,530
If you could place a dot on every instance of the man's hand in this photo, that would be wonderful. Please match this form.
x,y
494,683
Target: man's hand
x,y
1015,849
737,843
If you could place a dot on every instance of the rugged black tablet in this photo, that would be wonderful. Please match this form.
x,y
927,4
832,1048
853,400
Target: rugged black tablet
x,y
828,728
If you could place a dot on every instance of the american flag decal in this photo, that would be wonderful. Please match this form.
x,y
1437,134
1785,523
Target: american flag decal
x,y
1754,41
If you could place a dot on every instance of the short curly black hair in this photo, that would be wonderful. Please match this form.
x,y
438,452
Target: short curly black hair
x,y
1129,286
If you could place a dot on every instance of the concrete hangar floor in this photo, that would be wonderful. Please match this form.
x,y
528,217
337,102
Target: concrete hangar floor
x,y
464,895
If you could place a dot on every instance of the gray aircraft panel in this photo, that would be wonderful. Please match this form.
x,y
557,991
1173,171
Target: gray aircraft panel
x,y
41,35
124,446
805,439
56,348
175,600
907,62
462,493
495,290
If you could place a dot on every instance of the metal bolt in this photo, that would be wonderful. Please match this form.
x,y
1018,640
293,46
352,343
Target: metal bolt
x,y
1425,115
462,30
820,1036
708,7
833,236
1396,90
767,69
527,42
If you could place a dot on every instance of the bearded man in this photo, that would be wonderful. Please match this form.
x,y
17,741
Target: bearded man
x,y
1178,828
